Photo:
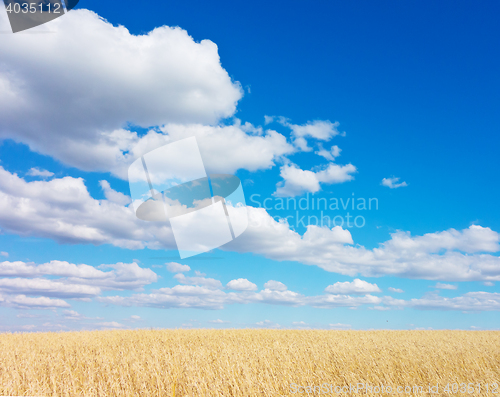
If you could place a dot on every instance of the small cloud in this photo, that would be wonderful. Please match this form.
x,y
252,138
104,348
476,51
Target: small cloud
x,y
340,326
445,286
299,323
175,267
357,287
3,253
392,183
241,284
399,291
474,327
219,321
380,308
268,119
199,274
37,172
489,284
275,286
331,154
135,317
268,324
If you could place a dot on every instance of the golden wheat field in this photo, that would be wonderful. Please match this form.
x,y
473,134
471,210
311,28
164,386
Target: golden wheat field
x,y
248,363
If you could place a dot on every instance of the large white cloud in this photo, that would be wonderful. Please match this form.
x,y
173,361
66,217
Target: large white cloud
x,y
89,78
73,93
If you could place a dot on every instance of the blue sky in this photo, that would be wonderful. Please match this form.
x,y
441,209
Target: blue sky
x,y
306,101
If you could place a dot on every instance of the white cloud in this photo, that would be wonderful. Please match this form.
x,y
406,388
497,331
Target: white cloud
x,y
445,286
201,281
39,172
241,284
392,183
297,181
340,326
176,85
175,79
275,286
135,317
175,267
489,284
397,290
331,154
357,286
5,254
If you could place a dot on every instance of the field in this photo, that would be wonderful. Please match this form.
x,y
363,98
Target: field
x,y
246,362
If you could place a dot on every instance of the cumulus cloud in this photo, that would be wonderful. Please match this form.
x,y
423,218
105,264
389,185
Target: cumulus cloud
x,y
393,183
174,80
241,284
177,85
397,290
5,254
357,287
37,172
175,267
275,286
297,181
